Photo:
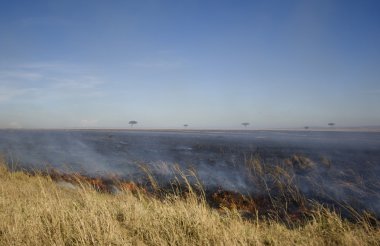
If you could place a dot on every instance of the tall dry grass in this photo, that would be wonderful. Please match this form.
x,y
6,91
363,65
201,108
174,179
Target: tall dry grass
x,y
35,210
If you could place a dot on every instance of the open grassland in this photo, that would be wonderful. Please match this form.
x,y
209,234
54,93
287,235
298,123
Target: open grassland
x,y
36,210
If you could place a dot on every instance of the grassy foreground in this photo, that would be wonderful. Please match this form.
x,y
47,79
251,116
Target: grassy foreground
x,y
35,210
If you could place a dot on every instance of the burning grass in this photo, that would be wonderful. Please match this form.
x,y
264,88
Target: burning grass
x,y
41,209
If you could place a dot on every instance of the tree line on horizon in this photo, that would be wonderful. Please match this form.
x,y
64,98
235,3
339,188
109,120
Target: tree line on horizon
x,y
245,124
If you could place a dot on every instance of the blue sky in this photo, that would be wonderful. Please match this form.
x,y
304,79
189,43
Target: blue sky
x,y
210,64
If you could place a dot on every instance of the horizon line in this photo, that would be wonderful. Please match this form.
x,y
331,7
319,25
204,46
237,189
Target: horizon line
x,y
319,128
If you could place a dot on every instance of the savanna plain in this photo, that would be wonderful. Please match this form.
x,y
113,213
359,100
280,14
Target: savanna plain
x,y
50,206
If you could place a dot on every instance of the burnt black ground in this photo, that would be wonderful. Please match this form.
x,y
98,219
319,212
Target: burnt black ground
x,y
346,164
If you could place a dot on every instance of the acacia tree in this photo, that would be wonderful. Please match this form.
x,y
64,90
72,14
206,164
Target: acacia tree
x,y
132,122
185,125
245,124
331,124
306,127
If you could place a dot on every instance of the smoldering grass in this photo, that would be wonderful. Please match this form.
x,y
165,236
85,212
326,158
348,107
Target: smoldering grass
x,y
36,211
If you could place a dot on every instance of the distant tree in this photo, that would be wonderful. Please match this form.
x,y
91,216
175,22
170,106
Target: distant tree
x,y
245,124
306,127
185,125
132,122
331,124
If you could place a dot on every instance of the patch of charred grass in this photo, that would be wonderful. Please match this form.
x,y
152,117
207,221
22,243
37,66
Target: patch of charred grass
x,y
36,209
287,203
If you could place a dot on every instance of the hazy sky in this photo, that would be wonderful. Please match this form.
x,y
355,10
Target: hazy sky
x,y
210,64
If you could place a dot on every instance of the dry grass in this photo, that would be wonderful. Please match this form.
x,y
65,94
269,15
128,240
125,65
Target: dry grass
x,y
35,210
